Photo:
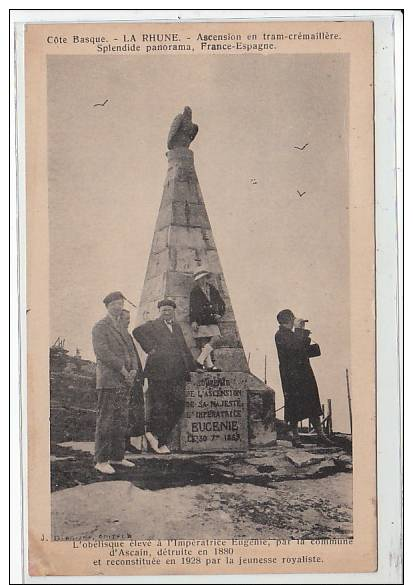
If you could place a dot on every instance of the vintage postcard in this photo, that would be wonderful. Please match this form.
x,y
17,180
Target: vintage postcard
x,y
201,391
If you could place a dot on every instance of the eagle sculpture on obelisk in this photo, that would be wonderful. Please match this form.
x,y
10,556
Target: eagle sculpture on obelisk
x,y
182,245
183,130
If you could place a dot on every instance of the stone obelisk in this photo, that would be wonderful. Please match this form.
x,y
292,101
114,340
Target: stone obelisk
x,y
182,244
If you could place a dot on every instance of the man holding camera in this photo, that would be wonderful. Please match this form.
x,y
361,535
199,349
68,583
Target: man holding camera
x,y
299,385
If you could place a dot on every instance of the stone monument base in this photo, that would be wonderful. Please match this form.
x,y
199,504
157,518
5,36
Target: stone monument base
x,y
225,412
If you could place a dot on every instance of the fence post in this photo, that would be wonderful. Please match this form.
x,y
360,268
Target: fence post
x,y
265,369
330,417
349,402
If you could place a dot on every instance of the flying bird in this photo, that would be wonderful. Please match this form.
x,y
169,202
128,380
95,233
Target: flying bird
x,y
254,181
301,194
301,147
104,103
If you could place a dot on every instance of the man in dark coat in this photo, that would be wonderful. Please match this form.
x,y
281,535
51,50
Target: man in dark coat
x,y
167,368
136,419
299,385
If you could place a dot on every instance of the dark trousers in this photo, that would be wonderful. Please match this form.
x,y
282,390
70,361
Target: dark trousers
x,y
315,421
166,404
111,424
136,423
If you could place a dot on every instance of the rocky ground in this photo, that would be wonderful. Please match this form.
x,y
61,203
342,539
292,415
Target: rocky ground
x,y
272,493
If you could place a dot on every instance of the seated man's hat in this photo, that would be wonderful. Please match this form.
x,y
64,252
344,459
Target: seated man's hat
x,y
200,273
167,303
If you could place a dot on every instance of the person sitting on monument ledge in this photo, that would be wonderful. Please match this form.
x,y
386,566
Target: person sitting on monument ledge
x,y
168,366
298,382
206,308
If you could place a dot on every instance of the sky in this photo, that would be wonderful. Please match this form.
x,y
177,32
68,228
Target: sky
x,y
107,165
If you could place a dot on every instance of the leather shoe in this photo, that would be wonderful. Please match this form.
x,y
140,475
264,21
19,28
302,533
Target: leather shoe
x,y
124,463
105,467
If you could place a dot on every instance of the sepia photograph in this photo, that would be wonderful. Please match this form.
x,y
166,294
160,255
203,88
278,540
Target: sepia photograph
x,y
200,376
200,298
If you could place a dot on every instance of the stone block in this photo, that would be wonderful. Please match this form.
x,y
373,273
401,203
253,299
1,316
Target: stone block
x,y
216,416
154,288
304,459
230,335
261,413
178,284
157,263
180,189
183,237
261,435
160,240
231,359
185,214
184,259
212,262
164,217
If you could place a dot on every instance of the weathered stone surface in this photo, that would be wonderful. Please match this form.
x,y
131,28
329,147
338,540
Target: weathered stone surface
x,y
183,213
321,449
231,359
194,237
230,334
157,264
178,190
261,435
154,288
304,459
160,240
343,462
216,416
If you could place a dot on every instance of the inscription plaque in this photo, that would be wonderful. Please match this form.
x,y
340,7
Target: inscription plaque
x,y
215,417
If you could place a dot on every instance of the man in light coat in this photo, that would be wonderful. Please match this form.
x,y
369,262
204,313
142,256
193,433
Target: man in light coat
x,y
116,369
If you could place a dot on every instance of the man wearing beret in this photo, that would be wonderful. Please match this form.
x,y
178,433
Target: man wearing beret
x,y
167,368
298,382
116,370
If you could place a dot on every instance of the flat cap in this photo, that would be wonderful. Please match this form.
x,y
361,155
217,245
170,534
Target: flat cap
x,y
167,303
285,316
113,296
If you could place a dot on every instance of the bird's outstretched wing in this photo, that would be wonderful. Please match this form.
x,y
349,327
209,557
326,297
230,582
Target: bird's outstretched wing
x,y
175,126
194,131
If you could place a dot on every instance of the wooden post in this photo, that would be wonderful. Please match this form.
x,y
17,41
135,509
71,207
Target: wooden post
x,y
248,360
349,402
330,417
265,369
